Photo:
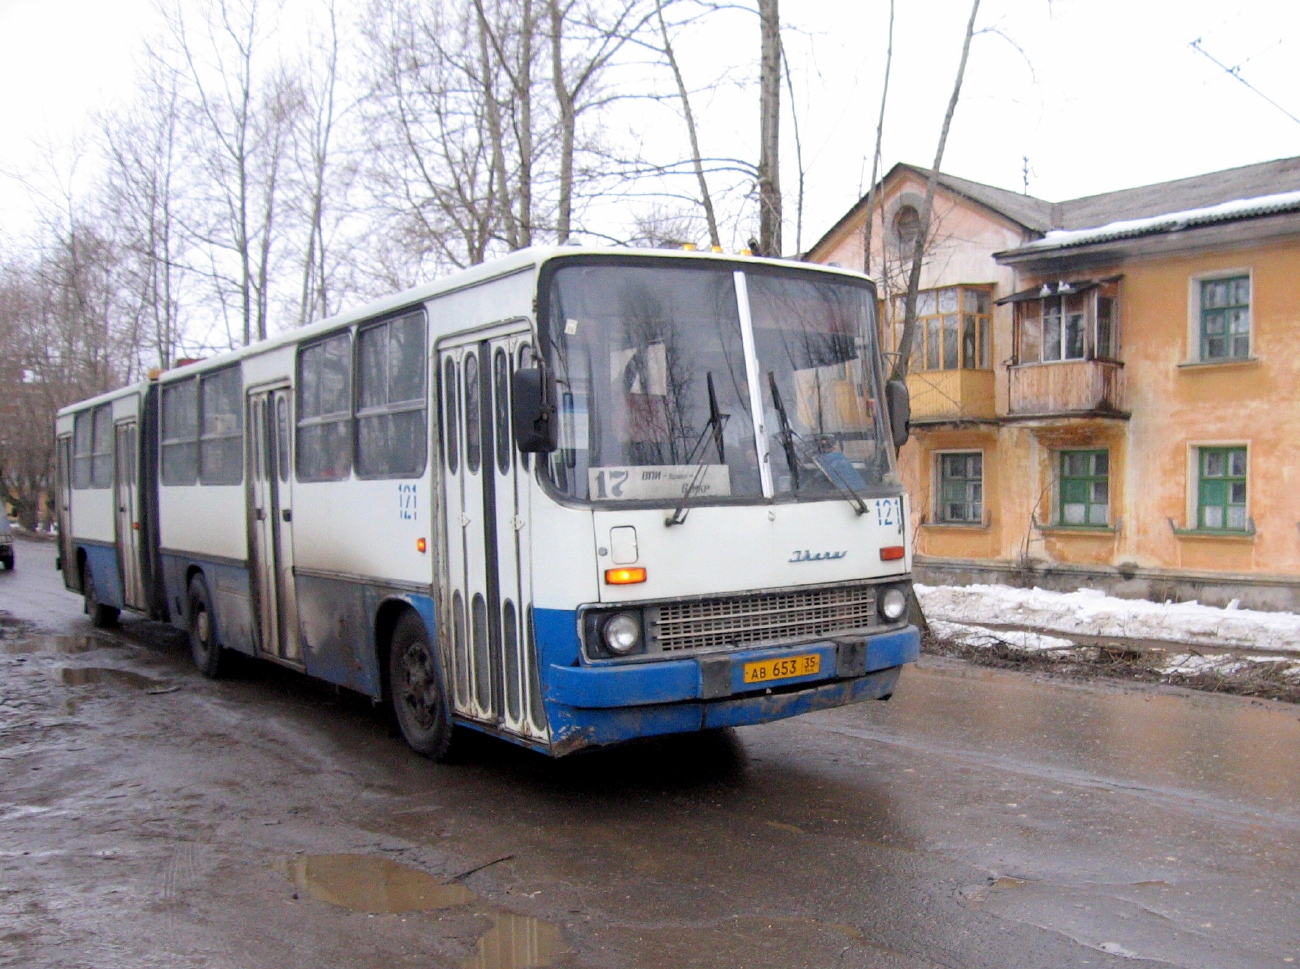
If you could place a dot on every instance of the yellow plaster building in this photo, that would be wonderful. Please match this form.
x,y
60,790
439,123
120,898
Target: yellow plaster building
x,y
1105,391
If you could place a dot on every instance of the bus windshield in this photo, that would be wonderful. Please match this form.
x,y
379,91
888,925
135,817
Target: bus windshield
x,y
654,390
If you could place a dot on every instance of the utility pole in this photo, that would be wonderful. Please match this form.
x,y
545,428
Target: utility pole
x,y
769,156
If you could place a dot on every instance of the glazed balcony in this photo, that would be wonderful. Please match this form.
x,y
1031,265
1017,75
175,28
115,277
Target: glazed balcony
x,y
949,395
1067,387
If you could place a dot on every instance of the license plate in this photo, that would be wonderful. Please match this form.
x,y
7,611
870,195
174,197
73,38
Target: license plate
x,y
782,669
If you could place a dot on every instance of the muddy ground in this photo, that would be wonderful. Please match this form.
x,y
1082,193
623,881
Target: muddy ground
x,y
981,818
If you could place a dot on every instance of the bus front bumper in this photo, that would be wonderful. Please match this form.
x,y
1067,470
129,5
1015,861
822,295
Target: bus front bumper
x,y
595,705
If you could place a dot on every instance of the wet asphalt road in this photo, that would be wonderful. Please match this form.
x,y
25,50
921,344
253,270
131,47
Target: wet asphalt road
x,y
149,817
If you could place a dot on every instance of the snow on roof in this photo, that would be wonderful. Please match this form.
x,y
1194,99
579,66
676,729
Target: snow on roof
x,y
1169,222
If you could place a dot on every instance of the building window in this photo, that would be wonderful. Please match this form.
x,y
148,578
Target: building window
x,y
1068,321
953,328
1221,489
392,429
1085,488
961,488
1225,318
323,444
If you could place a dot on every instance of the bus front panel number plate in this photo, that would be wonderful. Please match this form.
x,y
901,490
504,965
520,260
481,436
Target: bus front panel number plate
x,y
783,669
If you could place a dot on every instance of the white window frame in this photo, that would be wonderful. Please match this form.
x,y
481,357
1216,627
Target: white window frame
x,y
1194,341
937,488
1192,513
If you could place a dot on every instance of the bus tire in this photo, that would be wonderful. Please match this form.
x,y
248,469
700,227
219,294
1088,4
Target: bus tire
x,y
205,648
101,616
419,701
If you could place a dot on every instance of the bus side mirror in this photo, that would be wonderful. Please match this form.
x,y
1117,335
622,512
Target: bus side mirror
x,y
899,402
535,423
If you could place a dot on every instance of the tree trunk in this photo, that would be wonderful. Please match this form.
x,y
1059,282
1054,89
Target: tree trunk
x,y
568,124
876,158
923,229
769,161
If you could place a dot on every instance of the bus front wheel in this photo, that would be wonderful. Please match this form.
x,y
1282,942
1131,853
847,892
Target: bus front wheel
x,y
204,646
419,703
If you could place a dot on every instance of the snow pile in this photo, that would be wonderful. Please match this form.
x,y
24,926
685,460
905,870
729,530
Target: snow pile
x,y
981,638
1191,664
1091,612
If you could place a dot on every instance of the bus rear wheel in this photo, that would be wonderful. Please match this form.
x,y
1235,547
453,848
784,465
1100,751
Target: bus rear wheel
x,y
419,703
205,648
101,616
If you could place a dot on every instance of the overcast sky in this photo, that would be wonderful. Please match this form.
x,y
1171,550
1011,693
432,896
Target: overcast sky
x,y
1099,94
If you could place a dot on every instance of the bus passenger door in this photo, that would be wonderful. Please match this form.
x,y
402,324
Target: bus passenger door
x,y
126,467
270,522
63,511
491,676
282,492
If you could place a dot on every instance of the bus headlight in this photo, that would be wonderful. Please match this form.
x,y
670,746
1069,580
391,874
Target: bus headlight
x,y
622,634
893,604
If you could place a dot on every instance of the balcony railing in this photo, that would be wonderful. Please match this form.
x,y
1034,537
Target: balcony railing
x,y
943,395
1067,387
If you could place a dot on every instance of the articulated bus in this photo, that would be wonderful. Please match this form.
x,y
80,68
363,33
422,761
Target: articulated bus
x,y
569,498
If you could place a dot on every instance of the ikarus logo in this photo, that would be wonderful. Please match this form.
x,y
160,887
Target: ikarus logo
x,y
806,556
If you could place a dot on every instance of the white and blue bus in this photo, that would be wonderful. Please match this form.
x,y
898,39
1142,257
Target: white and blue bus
x,y
569,498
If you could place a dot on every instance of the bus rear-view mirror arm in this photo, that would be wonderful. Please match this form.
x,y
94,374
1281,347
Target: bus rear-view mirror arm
x,y
899,402
534,417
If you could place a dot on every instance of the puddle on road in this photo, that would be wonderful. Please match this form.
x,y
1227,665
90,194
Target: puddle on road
x,y
516,942
365,883
90,675
67,645
369,884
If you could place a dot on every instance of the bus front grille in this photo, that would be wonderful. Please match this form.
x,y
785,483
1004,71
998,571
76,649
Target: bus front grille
x,y
767,617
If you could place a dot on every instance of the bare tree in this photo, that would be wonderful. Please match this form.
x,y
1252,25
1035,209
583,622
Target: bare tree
x,y
239,119
706,200
923,228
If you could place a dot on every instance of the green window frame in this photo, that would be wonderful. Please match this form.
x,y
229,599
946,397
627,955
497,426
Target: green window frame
x,y
1225,318
961,488
1221,489
1084,489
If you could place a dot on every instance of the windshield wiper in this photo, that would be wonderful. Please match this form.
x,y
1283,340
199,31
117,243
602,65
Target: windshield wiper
x,y
717,420
837,472
787,435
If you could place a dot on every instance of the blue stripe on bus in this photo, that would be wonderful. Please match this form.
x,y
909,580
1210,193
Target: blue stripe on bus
x,y
669,681
573,729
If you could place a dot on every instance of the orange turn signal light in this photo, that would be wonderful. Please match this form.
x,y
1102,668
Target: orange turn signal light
x,y
892,553
421,546
624,576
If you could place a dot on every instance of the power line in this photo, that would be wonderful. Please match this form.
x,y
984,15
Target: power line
x,y
1236,72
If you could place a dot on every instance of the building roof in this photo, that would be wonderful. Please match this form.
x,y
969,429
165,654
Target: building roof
x,y
1180,197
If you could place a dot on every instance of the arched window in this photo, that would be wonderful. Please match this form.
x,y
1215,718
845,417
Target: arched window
x,y
907,223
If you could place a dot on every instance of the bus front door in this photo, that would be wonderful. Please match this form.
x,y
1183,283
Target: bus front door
x,y
126,469
63,512
270,521
493,676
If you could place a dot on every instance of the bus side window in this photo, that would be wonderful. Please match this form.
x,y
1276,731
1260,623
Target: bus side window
x,y
451,416
501,399
180,432
473,431
81,449
324,433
